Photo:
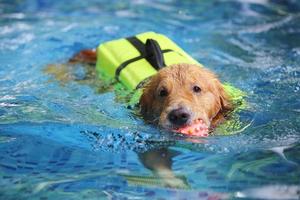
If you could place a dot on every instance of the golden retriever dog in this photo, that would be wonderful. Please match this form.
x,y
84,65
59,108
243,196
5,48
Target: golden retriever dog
x,y
181,94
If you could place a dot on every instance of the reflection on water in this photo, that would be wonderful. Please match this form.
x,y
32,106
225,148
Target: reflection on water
x,y
69,135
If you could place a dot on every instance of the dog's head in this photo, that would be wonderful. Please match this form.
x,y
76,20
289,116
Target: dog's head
x,y
181,94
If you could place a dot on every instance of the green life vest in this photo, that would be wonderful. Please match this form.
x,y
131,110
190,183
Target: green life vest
x,y
127,61
121,59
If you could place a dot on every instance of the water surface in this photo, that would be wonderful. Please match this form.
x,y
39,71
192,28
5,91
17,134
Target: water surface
x,y
74,138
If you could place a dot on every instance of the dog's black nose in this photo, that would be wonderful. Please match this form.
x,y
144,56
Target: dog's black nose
x,y
179,116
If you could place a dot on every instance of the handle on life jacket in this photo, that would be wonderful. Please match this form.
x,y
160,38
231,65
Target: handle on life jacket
x,y
154,54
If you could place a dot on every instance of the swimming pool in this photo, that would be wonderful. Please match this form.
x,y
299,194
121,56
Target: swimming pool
x,y
64,138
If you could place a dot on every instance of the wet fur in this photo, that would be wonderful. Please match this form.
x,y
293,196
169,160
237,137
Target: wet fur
x,y
209,105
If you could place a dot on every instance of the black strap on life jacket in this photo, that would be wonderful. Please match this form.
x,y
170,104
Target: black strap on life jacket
x,y
150,51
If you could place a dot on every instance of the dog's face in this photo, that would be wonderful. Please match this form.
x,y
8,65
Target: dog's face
x,y
181,94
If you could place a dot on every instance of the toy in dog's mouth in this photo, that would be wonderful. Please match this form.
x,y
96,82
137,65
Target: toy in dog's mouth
x,y
197,128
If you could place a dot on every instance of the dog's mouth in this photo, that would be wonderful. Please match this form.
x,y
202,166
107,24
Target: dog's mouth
x,y
197,128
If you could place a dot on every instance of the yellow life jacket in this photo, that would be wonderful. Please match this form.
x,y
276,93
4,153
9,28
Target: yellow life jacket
x,y
126,58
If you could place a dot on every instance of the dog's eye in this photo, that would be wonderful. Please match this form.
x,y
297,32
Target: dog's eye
x,y
196,89
163,92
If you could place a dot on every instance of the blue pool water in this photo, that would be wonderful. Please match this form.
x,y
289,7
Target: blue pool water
x,y
71,137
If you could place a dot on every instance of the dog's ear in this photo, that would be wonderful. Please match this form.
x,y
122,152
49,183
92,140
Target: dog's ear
x,y
145,102
218,90
225,102
224,99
